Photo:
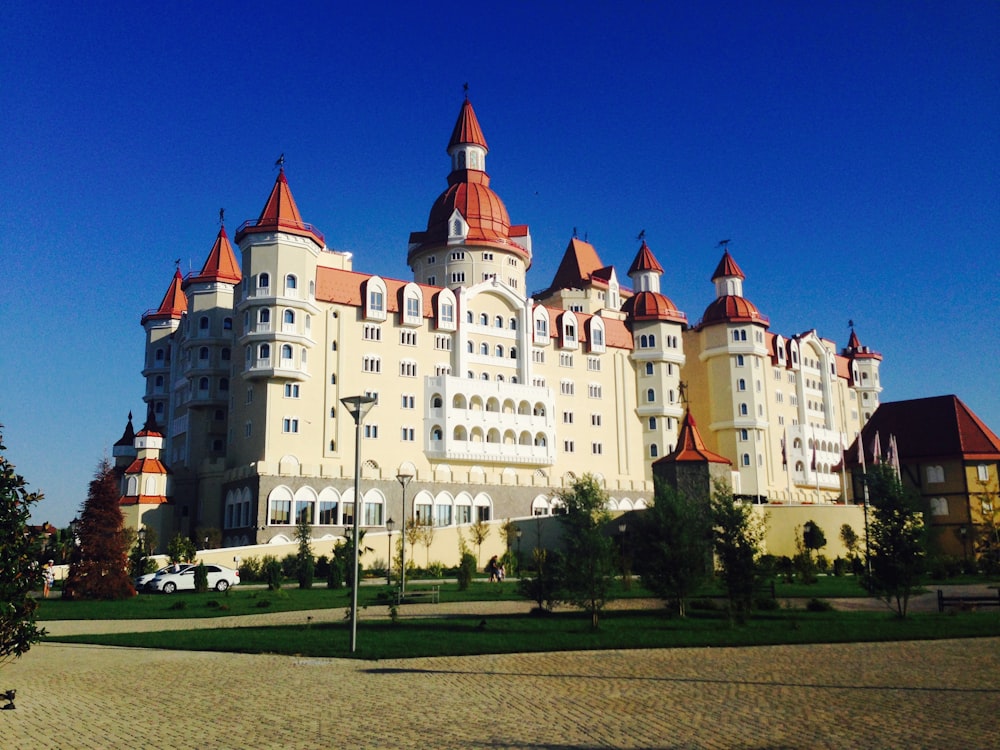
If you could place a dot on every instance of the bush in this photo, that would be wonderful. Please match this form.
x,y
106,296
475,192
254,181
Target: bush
x,y
322,567
839,566
272,574
823,563
289,566
466,570
435,570
783,566
766,604
200,578
336,573
705,604
307,569
818,605
250,570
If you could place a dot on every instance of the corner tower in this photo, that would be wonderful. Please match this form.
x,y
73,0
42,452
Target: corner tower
x,y
469,238
864,378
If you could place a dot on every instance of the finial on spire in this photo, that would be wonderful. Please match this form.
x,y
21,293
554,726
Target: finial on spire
x,y
177,263
222,217
850,324
574,233
280,163
465,88
724,244
682,389
642,235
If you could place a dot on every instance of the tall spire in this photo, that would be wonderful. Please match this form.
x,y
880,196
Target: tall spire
x,y
174,303
280,214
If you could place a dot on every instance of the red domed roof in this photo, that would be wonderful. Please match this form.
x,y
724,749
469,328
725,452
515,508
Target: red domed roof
x,y
732,309
652,306
481,208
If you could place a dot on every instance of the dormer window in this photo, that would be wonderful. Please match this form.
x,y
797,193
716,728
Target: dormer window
x,y
375,299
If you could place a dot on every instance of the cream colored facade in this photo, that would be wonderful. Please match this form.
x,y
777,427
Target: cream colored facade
x,y
494,401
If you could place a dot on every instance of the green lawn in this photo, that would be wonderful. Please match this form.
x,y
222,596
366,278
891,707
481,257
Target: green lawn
x,y
562,631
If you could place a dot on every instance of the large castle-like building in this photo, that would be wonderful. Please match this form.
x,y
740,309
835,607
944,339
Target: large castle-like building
x,y
491,399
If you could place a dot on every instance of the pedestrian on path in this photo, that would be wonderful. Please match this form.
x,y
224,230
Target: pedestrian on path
x,y
50,578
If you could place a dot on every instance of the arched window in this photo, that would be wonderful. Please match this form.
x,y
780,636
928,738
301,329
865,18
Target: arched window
x,y
513,352
745,459
225,354
650,395
264,281
289,317
291,282
499,350
203,353
471,347
498,321
286,351
483,319
741,385
264,316
744,410
203,323
484,349
435,435
653,451
203,384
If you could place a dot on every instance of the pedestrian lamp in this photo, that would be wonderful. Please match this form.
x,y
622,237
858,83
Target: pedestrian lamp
x,y
389,525
963,532
517,534
622,529
358,406
142,551
404,478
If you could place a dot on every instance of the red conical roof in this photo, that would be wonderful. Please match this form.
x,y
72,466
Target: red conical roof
x,y
280,214
174,303
221,263
467,128
645,261
727,267
652,306
690,446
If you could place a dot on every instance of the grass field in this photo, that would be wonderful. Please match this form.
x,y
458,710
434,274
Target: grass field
x,y
500,634
243,600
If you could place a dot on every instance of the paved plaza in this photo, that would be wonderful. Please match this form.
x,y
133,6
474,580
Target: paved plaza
x,y
938,694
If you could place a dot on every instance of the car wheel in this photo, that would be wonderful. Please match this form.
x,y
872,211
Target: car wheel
x,y
169,587
222,585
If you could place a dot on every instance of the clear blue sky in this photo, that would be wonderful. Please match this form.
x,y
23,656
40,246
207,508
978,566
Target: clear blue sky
x,y
849,150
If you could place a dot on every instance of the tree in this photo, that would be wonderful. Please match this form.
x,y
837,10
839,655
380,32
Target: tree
x,y
738,539
480,530
305,565
588,567
986,534
897,539
181,549
813,537
674,545
543,588
99,569
427,538
18,561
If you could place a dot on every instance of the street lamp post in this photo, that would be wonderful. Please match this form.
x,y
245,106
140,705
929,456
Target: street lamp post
x,y
142,551
358,406
517,534
389,525
623,529
404,479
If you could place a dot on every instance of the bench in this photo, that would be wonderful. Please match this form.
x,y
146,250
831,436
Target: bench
x,y
430,594
967,602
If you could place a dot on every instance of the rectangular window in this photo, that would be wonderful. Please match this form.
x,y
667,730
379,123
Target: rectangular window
x,y
327,512
376,302
595,420
538,356
567,417
568,446
408,338
463,514
442,343
432,280
594,364
596,448
594,390
372,333
409,401
371,364
291,390
281,513
371,432
289,425
458,278
412,307
565,360
458,256
566,387
447,313
303,511
983,472
408,434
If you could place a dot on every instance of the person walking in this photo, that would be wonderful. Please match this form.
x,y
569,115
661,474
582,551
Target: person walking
x,y
50,578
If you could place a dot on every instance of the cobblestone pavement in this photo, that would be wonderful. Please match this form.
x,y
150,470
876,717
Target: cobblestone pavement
x,y
939,694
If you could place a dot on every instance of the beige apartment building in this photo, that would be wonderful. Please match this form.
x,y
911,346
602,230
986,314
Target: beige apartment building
x,y
493,400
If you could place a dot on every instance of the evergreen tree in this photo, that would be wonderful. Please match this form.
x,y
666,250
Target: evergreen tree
x,y
305,566
99,569
588,567
674,545
738,541
897,539
20,573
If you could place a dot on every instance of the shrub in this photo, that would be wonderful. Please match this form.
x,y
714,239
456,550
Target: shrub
x,y
766,604
307,569
200,578
823,563
839,566
289,566
322,567
783,566
818,605
250,570
705,604
466,570
336,573
435,570
272,574
181,604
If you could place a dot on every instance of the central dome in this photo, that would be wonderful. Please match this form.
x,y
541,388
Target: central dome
x,y
469,193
